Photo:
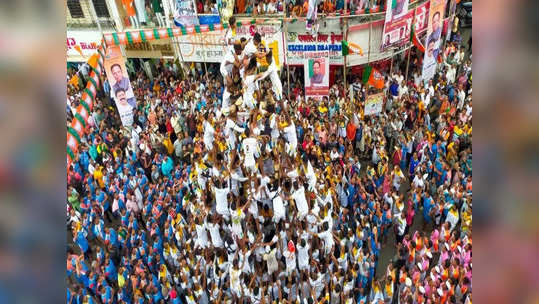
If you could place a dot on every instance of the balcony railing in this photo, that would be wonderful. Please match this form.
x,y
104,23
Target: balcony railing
x,y
105,23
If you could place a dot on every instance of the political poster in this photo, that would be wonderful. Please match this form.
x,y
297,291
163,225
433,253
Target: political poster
x,y
374,104
316,77
397,32
185,13
433,38
396,9
421,17
121,90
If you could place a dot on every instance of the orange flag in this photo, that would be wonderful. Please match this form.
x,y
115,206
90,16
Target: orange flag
x,y
78,49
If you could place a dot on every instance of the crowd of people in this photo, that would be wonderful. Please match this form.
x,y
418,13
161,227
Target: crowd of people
x,y
227,190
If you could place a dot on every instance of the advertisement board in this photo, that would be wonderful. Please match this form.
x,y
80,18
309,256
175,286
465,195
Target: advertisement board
x,y
210,46
150,49
85,41
302,46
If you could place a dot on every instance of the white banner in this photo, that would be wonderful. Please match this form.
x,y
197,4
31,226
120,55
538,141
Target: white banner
x,y
210,46
86,41
302,46
374,103
360,36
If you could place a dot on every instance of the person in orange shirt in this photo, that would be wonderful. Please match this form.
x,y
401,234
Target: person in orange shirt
x,y
130,11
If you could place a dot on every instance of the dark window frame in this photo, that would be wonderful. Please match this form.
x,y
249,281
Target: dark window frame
x,y
75,9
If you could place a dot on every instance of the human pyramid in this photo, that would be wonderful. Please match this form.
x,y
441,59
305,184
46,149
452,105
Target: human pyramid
x,y
237,193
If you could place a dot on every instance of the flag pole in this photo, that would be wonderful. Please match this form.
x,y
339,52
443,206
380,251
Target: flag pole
x,y
410,47
285,38
345,55
370,30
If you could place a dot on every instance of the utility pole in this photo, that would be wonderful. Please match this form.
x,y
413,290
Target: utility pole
x,y
346,39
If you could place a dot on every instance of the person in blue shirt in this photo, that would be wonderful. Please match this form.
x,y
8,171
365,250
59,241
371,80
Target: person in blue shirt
x,y
167,166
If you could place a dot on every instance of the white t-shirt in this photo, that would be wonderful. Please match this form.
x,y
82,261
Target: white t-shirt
x,y
248,98
250,49
215,235
290,134
226,67
290,258
301,202
327,237
303,256
278,207
202,235
250,148
271,260
221,201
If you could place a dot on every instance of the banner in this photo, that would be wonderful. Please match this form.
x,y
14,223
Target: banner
x,y
397,32
421,17
271,36
210,46
433,41
86,42
316,77
150,49
185,13
120,86
305,46
396,9
208,19
226,9
374,104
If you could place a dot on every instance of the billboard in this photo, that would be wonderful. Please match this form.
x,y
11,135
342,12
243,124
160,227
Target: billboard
x,y
316,77
210,46
433,38
121,90
82,44
304,46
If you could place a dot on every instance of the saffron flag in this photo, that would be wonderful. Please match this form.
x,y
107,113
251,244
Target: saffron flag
x,y
417,43
350,48
373,77
74,81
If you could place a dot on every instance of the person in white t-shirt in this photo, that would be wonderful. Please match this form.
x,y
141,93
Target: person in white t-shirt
x,y
251,150
301,202
202,234
215,235
303,255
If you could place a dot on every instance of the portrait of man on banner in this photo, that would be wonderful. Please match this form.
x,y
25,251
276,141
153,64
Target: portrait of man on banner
x,y
122,82
318,72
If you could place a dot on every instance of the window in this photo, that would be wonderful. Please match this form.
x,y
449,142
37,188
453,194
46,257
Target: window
x,y
101,8
75,9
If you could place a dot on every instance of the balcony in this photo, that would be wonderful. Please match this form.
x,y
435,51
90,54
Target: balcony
x,y
107,24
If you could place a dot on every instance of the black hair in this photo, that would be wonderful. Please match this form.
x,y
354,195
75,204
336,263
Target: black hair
x,y
257,38
118,91
116,64
232,20
252,63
